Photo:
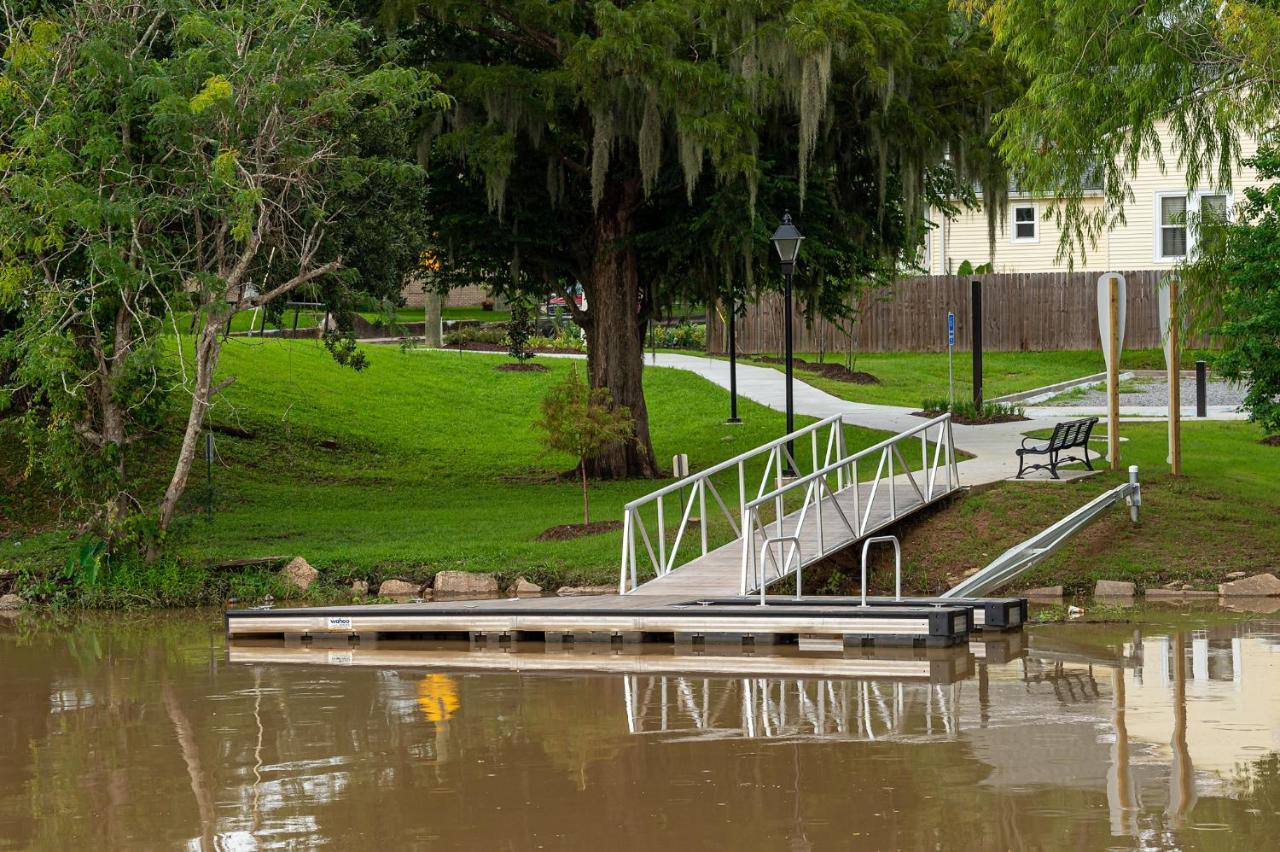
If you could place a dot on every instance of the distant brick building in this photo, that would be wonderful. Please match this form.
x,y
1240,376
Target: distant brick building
x,y
462,297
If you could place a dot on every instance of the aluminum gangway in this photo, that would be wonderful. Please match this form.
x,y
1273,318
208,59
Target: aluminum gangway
x,y
780,517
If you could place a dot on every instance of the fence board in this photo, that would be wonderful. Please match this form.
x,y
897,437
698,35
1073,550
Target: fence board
x,y
1021,312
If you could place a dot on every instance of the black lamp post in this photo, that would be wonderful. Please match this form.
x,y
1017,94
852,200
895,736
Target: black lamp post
x,y
733,361
787,241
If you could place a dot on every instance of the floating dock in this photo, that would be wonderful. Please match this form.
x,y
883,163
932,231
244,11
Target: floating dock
x,y
813,623
935,665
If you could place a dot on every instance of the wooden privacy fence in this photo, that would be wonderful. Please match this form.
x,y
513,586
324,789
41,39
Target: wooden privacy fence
x,y
1020,312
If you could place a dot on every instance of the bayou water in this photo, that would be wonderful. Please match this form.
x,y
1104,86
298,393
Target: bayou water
x,y
1160,731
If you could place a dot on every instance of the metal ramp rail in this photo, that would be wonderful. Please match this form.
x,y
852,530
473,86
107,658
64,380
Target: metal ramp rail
x,y
1022,557
816,513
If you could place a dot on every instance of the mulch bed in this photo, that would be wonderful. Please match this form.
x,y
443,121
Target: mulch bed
x,y
1271,441
520,368
476,346
974,421
835,372
568,532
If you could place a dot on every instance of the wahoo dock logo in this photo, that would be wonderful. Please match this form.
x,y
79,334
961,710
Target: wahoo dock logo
x,y
339,622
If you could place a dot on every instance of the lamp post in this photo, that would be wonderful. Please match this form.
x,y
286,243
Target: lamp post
x,y
733,362
787,241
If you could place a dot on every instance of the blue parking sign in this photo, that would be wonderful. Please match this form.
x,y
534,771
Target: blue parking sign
x,y
951,328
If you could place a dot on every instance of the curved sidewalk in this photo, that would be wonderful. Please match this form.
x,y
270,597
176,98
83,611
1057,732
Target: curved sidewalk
x,y
991,446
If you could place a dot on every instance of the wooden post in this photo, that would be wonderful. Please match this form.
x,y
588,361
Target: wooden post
x,y
1113,373
1175,381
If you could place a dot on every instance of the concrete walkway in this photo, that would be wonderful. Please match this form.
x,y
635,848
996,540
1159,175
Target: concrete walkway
x,y
991,446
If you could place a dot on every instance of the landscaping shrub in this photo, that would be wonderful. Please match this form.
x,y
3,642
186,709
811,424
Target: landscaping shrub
x,y
686,335
493,335
965,410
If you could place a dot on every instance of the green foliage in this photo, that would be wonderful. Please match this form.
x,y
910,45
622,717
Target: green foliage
x,y
686,335
1236,282
964,409
520,328
1107,77
490,335
167,155
967,268
582,422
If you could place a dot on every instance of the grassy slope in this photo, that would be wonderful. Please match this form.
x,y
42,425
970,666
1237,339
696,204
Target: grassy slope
x,y
1217,518
906,378
437,466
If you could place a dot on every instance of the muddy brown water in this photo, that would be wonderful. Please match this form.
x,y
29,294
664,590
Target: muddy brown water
x,y
147,732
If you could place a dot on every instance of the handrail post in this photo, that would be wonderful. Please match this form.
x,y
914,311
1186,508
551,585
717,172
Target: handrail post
x,y
702,513
893,489
622,571
662,536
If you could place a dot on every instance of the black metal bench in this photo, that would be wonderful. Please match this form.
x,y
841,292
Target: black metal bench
x,y
1068,435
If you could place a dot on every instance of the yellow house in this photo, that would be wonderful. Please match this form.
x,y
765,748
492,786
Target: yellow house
x,y
1155,234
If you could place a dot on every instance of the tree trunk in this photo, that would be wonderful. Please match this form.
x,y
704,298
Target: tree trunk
x,y
208,347
615,331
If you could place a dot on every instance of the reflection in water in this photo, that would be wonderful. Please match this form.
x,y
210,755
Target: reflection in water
x,y
146,733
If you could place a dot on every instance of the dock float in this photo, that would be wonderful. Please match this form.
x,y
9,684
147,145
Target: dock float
x,y
941,665
814,623
988,613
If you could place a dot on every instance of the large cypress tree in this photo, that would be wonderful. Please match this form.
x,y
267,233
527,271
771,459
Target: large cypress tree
x,y
646,150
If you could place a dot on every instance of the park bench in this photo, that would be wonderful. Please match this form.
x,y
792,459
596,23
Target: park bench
x,y
1067,436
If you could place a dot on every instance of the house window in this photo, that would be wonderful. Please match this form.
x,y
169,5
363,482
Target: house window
x,y
1175,236
1213,206
1173,226
1025,224
926,253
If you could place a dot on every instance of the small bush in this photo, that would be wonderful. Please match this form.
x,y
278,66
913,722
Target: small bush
x,y
686,335
492,335
965,409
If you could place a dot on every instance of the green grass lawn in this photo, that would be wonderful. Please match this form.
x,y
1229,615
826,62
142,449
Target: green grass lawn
x,y
437,466
473,314
1218,517
907,378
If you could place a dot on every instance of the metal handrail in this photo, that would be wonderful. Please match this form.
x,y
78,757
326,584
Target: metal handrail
x,y
720,467
1025,555
799,565
897,564
817,488
636,537
845,462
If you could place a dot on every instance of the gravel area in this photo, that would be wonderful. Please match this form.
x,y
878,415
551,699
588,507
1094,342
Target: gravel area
x,y
1153,392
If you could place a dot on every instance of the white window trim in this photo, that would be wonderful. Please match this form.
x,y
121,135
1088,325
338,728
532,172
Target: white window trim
x,y
1194,200
1013,222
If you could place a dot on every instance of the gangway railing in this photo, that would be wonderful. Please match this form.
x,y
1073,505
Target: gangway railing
x,y
639,545
1022,557
937,476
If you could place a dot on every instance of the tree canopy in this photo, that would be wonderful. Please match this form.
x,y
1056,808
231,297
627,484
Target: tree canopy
x,y
171,156
1106,77
646,151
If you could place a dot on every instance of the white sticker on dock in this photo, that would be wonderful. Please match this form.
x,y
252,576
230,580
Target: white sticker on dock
x,y
341,658
339,622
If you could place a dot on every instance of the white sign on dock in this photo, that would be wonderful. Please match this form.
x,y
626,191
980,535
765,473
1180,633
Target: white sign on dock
x,y
339,622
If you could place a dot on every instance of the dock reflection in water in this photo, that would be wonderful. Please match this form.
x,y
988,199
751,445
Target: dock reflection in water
x,y
152,733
